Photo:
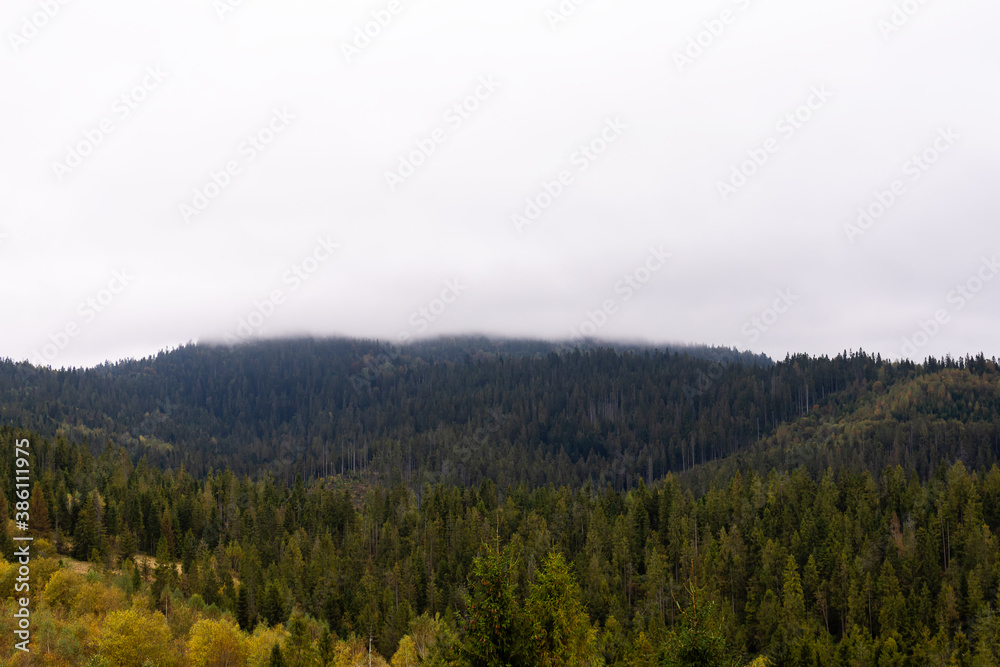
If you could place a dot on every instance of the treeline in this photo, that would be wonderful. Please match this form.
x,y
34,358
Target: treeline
x,y
840,568
453,412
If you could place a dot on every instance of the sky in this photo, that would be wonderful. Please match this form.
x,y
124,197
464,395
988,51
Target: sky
x,y
776,175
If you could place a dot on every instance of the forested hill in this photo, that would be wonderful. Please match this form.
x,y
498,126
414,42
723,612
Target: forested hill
x,y
457,411
813,512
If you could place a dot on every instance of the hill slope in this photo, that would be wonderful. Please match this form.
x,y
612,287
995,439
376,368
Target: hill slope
x,y
514,411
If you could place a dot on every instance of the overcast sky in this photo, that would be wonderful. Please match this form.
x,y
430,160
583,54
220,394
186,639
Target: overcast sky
x,y
207,170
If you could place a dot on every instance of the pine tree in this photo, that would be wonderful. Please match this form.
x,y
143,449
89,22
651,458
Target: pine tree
x,y
87,534
40,520
325,647
277,658
273,608
698,639
127,546
243,608
210,586
498,633
561,628
298,645
793,602
165,575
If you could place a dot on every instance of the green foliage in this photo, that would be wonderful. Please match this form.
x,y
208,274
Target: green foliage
x,y
698,639
277,657
88,532
243,608
861,531
498,632
561,628
273,609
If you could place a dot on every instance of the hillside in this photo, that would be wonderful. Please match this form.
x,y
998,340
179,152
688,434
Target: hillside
x,y
456,410
610,506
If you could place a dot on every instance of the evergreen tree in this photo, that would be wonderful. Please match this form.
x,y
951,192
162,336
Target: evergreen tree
x,y
39,509
561,629
325,647
498,633
298,645
87,534
277,658
273,608
698,639
243,609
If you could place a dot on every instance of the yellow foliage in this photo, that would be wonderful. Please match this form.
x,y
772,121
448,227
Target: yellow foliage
x,y
354,652
181,616
42,547
41,570
216,644
8,571
760,661
62,589
406,654
258,645
131,637
96,598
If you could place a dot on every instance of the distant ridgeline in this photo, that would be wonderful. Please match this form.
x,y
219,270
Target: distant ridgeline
x,y
458,411
469,503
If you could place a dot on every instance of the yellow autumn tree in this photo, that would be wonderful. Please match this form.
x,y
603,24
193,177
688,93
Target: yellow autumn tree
x,y
131,637
259,644
406,654
355,651
216,644
62,589
96,598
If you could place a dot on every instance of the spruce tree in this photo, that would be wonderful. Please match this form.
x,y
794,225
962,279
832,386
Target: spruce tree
x,y
498,632
87,532
40,520
243,608
273,609
277,658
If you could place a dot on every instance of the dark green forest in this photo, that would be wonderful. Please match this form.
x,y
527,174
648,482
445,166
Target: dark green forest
x,y
469,502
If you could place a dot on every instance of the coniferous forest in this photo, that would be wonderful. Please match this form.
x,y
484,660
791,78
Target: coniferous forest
x,y
475,502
